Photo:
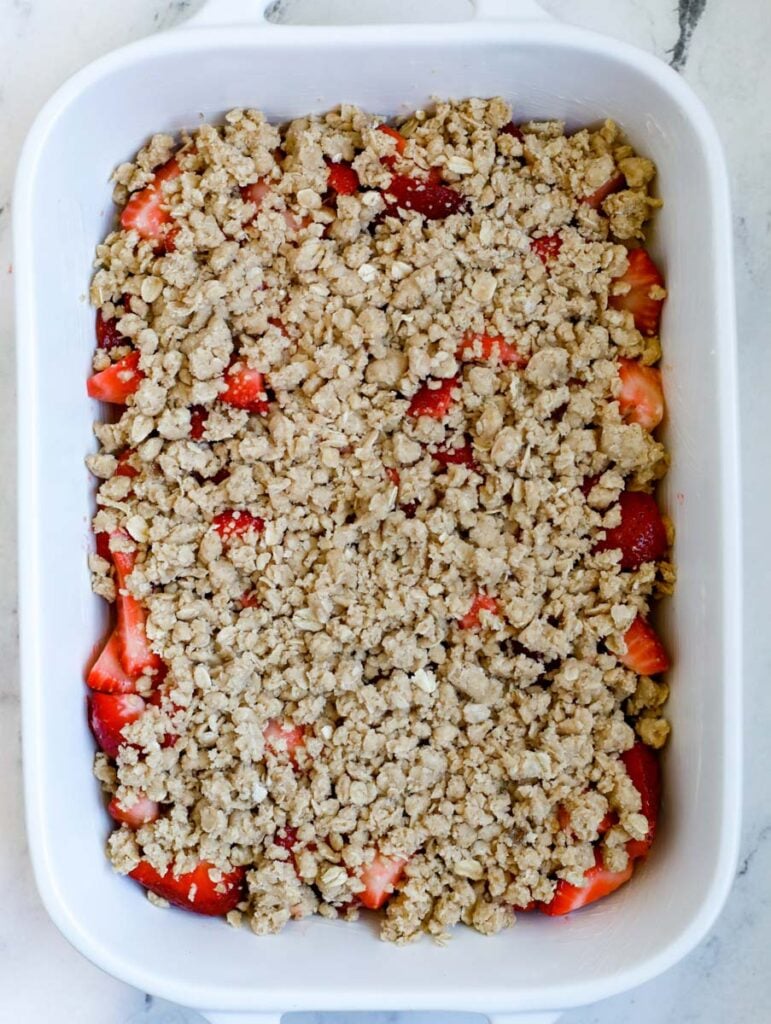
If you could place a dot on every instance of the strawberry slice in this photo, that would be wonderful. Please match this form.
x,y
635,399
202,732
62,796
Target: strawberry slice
x,y
399,139
280,737
198,417
480,603
125,466
645,653
117,382
433,200
379,878
249,599
144,212
547,248
137,656
342,178
393,475
103,546
433,401
256,192
194,890
463,456
245,389
641,399
108,714
613,184
599,883
286,838
514,130
107,334
490,346
643,277
237,523
140,813
642,767
108,674
640,535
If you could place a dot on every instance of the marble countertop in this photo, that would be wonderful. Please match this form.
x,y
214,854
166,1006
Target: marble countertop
x,y
723,50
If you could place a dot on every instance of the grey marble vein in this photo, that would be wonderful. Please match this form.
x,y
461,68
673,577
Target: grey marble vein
x,y
689,13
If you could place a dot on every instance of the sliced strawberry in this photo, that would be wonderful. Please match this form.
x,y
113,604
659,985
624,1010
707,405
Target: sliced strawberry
x,y
117,382
103,546
194,890
588,483
645,653
433,401
199,414
249,600
642,767
641,399
237,523
108,674
107,334
245,389
514,130
141,812
463,456
125,466
607,823
342,178
283,738
137,656
145,212
159,696
599,883
547,248
279,323
108,714
643,277
613,184
399,139
393,475
256,192
490,346
379,878
481,603
427,197
286,838
641,535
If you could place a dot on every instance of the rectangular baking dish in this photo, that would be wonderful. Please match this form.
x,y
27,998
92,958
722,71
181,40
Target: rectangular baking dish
x,y
229,56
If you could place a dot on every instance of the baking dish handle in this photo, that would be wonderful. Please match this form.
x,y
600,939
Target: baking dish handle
x,y
252,12
215,1017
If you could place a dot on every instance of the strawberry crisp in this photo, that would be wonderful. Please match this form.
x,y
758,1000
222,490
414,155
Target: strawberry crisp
x,y
376,513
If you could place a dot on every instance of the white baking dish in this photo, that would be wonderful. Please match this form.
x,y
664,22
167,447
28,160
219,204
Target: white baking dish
x,y
227,57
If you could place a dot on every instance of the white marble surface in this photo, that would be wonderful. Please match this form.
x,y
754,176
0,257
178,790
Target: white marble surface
x,y
724,53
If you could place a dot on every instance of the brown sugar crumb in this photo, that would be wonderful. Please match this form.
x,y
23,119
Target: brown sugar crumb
x,y
367,550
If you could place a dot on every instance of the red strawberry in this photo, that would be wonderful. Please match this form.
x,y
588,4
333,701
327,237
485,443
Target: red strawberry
x,y
107,334
513,129
245,389
481,602
547,248
463,456
249,600
236,523
645,653
640,535
158,698
108,674
286,838
141,812
433,200
379,878
642,276
137,656
613,184
393,475
641,399
607,823
283,738
490,346
108,713
342,178
194,890
397,136
434,402
642,767
117,382
103,546
144,212
125,466
198,417
599,883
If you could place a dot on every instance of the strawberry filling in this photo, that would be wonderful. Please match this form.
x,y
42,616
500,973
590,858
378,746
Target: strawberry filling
x,y
433,401
117,382
645,653
195,890
109,714
492,347
380,877
481,603
641,535
146,212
